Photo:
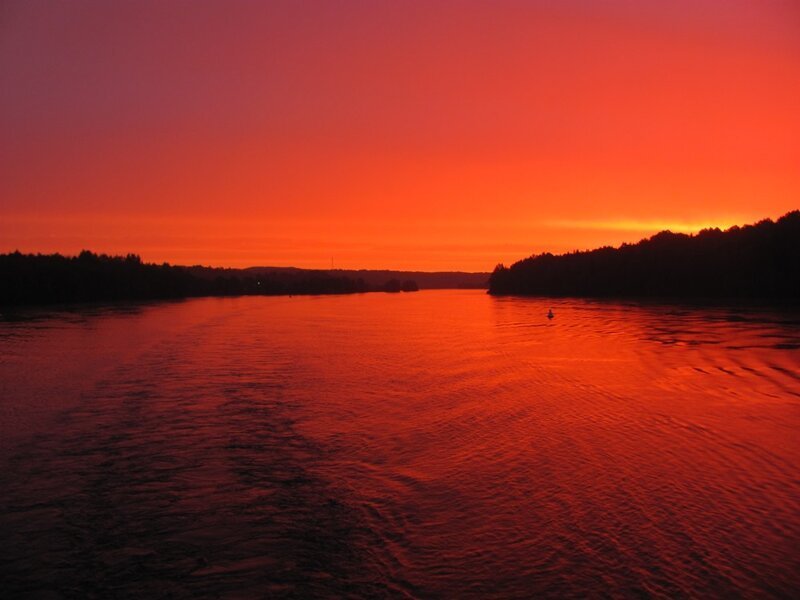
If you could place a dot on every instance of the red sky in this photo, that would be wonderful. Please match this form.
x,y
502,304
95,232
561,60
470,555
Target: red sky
x,y
413,135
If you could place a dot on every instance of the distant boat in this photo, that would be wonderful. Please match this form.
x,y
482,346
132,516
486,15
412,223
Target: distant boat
x,y
550,314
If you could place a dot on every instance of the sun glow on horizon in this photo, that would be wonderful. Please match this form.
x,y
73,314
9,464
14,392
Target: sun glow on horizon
x,y
431,246
645,226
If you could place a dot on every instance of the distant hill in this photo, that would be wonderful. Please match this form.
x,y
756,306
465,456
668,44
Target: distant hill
x,y
377,279
760,261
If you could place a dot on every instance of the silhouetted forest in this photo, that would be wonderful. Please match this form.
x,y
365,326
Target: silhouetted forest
x,y
89,277
395,285
378,279
760,261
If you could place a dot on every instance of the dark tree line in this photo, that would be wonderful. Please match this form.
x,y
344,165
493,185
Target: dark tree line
x,y
760,261
88,277
395,285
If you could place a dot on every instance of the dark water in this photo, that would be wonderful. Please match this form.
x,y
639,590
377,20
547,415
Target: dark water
x,y
440,444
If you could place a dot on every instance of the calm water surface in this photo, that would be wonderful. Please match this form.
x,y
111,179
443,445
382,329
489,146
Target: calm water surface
x,y
440,444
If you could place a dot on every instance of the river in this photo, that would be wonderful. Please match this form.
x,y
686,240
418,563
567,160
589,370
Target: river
x,y
440,444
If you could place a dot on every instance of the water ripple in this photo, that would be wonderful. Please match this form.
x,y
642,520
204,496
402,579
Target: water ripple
x,y
442,444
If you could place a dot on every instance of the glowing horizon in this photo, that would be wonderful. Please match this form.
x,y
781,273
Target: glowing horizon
x,y
451,136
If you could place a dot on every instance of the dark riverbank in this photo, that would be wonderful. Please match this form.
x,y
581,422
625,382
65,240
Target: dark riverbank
x,y
30,279
37,279
758,262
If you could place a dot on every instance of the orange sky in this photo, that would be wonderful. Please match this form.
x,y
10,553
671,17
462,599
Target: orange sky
x,y
413,135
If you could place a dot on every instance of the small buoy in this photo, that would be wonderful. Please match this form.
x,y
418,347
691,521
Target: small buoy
x,y
550,314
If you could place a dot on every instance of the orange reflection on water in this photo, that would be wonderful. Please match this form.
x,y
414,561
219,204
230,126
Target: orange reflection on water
x,y
434,444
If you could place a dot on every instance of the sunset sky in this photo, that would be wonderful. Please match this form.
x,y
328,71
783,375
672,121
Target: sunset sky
x,y
409,135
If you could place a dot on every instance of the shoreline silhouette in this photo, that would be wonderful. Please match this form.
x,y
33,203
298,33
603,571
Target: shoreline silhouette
x,y
756,262
752,262
46,279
